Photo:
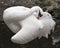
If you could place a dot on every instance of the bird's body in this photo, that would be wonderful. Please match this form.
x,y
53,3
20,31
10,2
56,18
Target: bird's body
x,y
29,31
13,15
9,14
33,28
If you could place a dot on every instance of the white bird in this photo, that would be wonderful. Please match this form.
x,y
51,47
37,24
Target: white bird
x,y
33,28
30,30
14,14
20,12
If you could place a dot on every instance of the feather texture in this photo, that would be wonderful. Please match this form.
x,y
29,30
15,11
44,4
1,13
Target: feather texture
x,y
23,21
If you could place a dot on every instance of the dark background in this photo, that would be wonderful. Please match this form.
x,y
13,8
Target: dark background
x,y
6,33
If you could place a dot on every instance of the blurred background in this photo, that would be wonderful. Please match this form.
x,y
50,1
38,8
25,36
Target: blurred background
x,y
6,33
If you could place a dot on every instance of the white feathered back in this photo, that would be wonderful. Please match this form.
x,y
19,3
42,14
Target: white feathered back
x,y
30,30
14,14
31,27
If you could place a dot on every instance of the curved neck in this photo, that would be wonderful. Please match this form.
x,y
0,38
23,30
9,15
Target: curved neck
x,y
36,9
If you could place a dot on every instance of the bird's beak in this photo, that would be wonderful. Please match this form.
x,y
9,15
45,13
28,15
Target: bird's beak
x,y
40,15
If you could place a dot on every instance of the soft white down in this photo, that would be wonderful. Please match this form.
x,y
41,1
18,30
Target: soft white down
x,y
14,14
31,27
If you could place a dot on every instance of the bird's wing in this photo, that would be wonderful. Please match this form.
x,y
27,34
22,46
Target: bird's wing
x,y
13,23
25,35
29,31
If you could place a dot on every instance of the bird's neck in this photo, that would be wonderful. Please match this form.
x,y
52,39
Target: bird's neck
x,y
36,9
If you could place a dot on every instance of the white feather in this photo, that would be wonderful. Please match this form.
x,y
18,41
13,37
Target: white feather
x,y
48,23
30,30
33,28
14,14
19,13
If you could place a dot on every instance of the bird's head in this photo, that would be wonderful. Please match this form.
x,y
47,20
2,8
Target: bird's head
x,y
37,15
38,11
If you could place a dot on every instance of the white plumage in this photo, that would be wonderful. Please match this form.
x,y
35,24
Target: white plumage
x,y
30,30
18,13
48,24
9,14
31,27
14,14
